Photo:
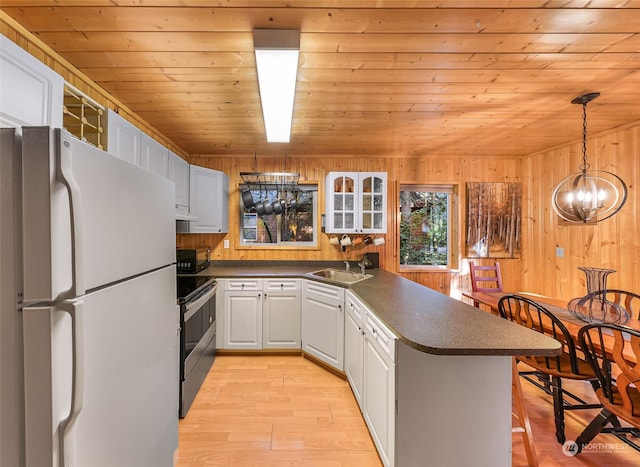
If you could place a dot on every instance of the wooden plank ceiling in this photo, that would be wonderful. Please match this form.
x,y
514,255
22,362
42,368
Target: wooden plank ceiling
x,y
376,77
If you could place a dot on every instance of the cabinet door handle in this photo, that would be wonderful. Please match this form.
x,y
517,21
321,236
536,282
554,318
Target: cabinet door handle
x,y
265,295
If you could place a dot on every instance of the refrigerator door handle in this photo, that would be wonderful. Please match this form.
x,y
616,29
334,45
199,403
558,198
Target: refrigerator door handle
x,y
66,177
75,311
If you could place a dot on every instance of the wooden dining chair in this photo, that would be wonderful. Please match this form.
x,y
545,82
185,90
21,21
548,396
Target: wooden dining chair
x,y
567,365
485,278
619,393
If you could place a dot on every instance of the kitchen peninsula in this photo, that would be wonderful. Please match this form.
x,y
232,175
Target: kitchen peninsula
x,y
452,366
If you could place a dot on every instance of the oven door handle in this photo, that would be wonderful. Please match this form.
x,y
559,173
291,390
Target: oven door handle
x,y
192,307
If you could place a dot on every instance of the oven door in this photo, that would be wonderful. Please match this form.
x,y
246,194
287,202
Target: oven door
x,y
198,328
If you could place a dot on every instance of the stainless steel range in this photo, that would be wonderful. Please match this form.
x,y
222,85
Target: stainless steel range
x,y
197,300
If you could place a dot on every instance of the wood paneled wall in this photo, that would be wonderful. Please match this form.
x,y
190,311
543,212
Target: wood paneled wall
x,y
399,170
613,243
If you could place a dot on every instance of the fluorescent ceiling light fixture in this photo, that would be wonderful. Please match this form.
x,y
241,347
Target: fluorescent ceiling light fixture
x,y
277,63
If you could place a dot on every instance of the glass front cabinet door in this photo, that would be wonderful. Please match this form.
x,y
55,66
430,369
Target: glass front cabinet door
x,y
356,202
341,201
373,188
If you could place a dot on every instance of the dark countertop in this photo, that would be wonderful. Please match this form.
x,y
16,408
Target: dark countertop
x,y
421,317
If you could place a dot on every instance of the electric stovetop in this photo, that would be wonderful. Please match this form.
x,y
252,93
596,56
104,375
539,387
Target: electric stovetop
x,y
190,286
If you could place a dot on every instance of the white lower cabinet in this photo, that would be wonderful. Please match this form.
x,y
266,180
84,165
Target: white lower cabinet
x,y
281,314
323,322
271,313
243,320
370,352
354,345
261,314
379,388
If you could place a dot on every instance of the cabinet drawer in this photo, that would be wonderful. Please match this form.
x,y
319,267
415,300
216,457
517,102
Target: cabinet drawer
x,y
324,290
243,284
381,335
354,307
279,285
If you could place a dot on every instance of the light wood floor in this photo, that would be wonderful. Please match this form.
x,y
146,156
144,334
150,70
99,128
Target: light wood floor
x,y
285,410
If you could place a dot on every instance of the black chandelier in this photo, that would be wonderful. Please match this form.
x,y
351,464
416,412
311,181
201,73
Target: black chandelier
x,y
591,195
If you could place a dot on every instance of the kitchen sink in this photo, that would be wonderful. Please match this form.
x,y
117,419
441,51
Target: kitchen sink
x,y
340,275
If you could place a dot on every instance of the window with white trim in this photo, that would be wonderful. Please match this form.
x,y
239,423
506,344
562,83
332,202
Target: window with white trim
x,y
426,225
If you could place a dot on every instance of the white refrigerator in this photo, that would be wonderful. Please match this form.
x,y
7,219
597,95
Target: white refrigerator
x,y
97,307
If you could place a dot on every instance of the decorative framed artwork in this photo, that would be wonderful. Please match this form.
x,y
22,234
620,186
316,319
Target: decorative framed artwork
x,y
494,213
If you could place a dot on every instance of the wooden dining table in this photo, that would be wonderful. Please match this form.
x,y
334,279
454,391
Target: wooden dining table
x,y
555,306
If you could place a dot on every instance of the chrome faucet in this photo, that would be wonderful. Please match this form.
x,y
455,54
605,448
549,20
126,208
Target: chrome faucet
x,y
364,262
347,266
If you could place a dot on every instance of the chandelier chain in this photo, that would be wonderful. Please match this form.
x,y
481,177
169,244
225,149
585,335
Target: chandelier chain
x,y
585,166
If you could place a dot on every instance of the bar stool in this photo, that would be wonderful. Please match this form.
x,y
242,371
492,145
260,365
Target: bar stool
x,y
522,417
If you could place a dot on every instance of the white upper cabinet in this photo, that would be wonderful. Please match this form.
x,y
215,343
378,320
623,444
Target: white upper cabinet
x,y
372,202
154,157
123,139
208,201
179,174
356,202
341,202
31,93
128,142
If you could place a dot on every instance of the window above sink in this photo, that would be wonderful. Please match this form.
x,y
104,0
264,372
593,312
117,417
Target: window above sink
x,y
281,216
